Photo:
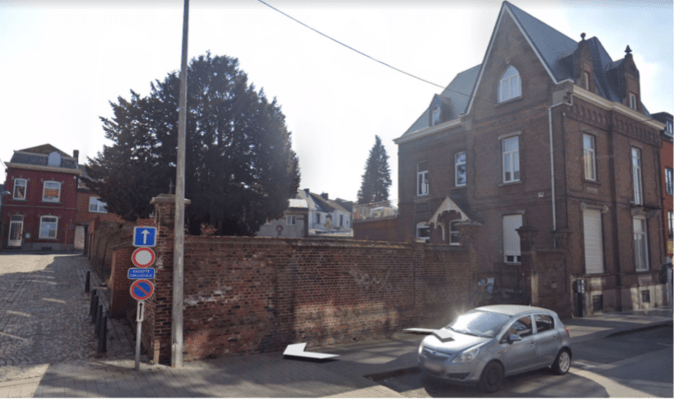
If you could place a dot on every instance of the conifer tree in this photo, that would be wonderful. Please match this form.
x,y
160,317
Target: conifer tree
x,y
376,181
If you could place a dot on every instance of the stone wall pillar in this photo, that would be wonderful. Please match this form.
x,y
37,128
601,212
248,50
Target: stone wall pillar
x,y
529,264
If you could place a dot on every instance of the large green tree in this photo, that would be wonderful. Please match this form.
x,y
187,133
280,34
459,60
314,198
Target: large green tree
x,y
240,168
376,181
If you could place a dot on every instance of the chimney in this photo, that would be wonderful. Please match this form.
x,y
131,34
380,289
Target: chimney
x,y
325,196
306,191
76,155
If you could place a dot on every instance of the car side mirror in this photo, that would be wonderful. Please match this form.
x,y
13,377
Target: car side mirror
x,y
513,338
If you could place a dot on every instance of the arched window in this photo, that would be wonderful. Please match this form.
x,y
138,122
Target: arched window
x,y
510,85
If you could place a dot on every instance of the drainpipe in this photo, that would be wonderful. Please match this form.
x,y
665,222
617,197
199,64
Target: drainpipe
x,y
551,158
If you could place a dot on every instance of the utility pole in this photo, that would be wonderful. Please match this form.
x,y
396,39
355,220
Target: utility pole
x,y
179,222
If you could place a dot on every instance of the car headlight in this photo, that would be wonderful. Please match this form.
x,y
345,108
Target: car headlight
x,y
467,355
420,349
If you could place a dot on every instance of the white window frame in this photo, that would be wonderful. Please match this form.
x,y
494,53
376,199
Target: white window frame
x,y
589,156
633,104
17,185
452,232
510,85
98,205
423,185
420,226
670,128
585,80
44,188
669,181
641,256
511,243
291,220
636,175
457,164
511,160
56,229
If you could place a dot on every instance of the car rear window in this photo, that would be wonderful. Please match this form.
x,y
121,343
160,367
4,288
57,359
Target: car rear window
x,y
544,322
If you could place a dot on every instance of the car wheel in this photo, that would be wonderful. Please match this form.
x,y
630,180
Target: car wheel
x,y
562,362
491,378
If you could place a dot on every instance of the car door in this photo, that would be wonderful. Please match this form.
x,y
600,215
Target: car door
x,y
520,355
547,340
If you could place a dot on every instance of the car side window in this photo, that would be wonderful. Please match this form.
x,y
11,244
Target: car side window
x,y
544,323
522,327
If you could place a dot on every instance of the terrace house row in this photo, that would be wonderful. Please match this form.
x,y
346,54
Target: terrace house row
x,y
547,145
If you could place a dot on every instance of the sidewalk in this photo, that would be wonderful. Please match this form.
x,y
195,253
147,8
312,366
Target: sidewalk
x,y
270,375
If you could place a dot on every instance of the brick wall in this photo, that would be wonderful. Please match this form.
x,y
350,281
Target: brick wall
x,y
384,229
250,295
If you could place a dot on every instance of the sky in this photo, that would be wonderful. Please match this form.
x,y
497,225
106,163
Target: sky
x,y
63,62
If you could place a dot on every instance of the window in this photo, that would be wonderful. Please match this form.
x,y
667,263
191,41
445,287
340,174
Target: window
x,y
20,189
585,80
341,220
640,244
632,101
48,226
511,239
97,206
544,323
51,191
522,327
593,241
669,129
453,233
510,156
422,231
669,176
319,218
436,114
636,173
510,85
460,169
423,184
670,224
291,220
589,157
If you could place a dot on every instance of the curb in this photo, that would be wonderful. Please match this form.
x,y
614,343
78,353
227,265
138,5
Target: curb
x,y
643,328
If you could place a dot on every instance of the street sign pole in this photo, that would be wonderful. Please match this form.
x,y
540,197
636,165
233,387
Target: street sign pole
x,y
139,321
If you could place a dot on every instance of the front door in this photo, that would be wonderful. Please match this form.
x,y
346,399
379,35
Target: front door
x,y
15,231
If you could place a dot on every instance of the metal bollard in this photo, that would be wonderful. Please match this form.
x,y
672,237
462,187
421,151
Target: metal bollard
x,y
95,307
103,334
97,324
87,283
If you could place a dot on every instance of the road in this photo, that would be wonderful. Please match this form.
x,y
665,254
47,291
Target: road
x,y
630,365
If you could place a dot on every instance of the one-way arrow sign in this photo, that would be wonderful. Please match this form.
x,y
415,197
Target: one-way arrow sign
x,y
145,236
298,351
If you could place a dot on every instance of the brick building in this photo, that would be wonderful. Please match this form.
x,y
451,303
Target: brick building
x,y
667,171
548,146
40,211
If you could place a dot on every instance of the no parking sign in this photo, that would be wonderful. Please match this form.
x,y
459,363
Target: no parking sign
x,y
142,289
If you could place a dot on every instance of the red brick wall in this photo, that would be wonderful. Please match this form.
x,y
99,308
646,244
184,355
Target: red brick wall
x,y
251,295
385,229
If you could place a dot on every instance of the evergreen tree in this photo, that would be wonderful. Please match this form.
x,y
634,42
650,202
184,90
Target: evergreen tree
x,y
376,181
240,168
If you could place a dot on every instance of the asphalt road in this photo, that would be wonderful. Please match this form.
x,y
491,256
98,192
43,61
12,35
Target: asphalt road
x,y
631,365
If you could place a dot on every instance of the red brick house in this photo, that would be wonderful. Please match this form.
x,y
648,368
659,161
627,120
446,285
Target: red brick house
x,y
40,211
667,171
547,145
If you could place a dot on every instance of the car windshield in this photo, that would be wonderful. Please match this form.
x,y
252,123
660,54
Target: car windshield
x,y
479,323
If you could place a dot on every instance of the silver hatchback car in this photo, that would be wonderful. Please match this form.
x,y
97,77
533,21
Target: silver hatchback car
x,y
488,343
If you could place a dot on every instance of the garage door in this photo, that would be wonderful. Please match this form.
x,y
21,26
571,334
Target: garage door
x,y
593,241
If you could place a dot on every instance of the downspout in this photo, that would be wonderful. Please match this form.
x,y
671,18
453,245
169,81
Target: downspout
x,y
551,159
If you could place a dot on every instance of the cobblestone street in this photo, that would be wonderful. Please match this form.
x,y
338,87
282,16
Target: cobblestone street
x,y
44,316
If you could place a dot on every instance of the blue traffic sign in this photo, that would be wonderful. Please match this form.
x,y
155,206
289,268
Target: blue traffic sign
x,y
145,236
141,289
141,273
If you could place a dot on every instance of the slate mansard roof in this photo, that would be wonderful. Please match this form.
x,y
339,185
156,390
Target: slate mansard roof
x,y
554,49
39,156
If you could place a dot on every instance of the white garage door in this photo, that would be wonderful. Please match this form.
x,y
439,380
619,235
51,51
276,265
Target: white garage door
x,y
593,241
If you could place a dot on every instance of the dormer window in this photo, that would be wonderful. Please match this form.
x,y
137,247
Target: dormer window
x,y
436,114
585,80
632,102
54,159
669,129
510,85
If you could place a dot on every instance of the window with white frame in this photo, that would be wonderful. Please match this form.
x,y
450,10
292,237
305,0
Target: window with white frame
x,y
511,239
589,157
636,175
453,233
291,220
632,101
48,227
20,186
510,85
97,206
423,183
585,80
422,231
640,244
51,191
510,157
669,177
461,169
669,128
